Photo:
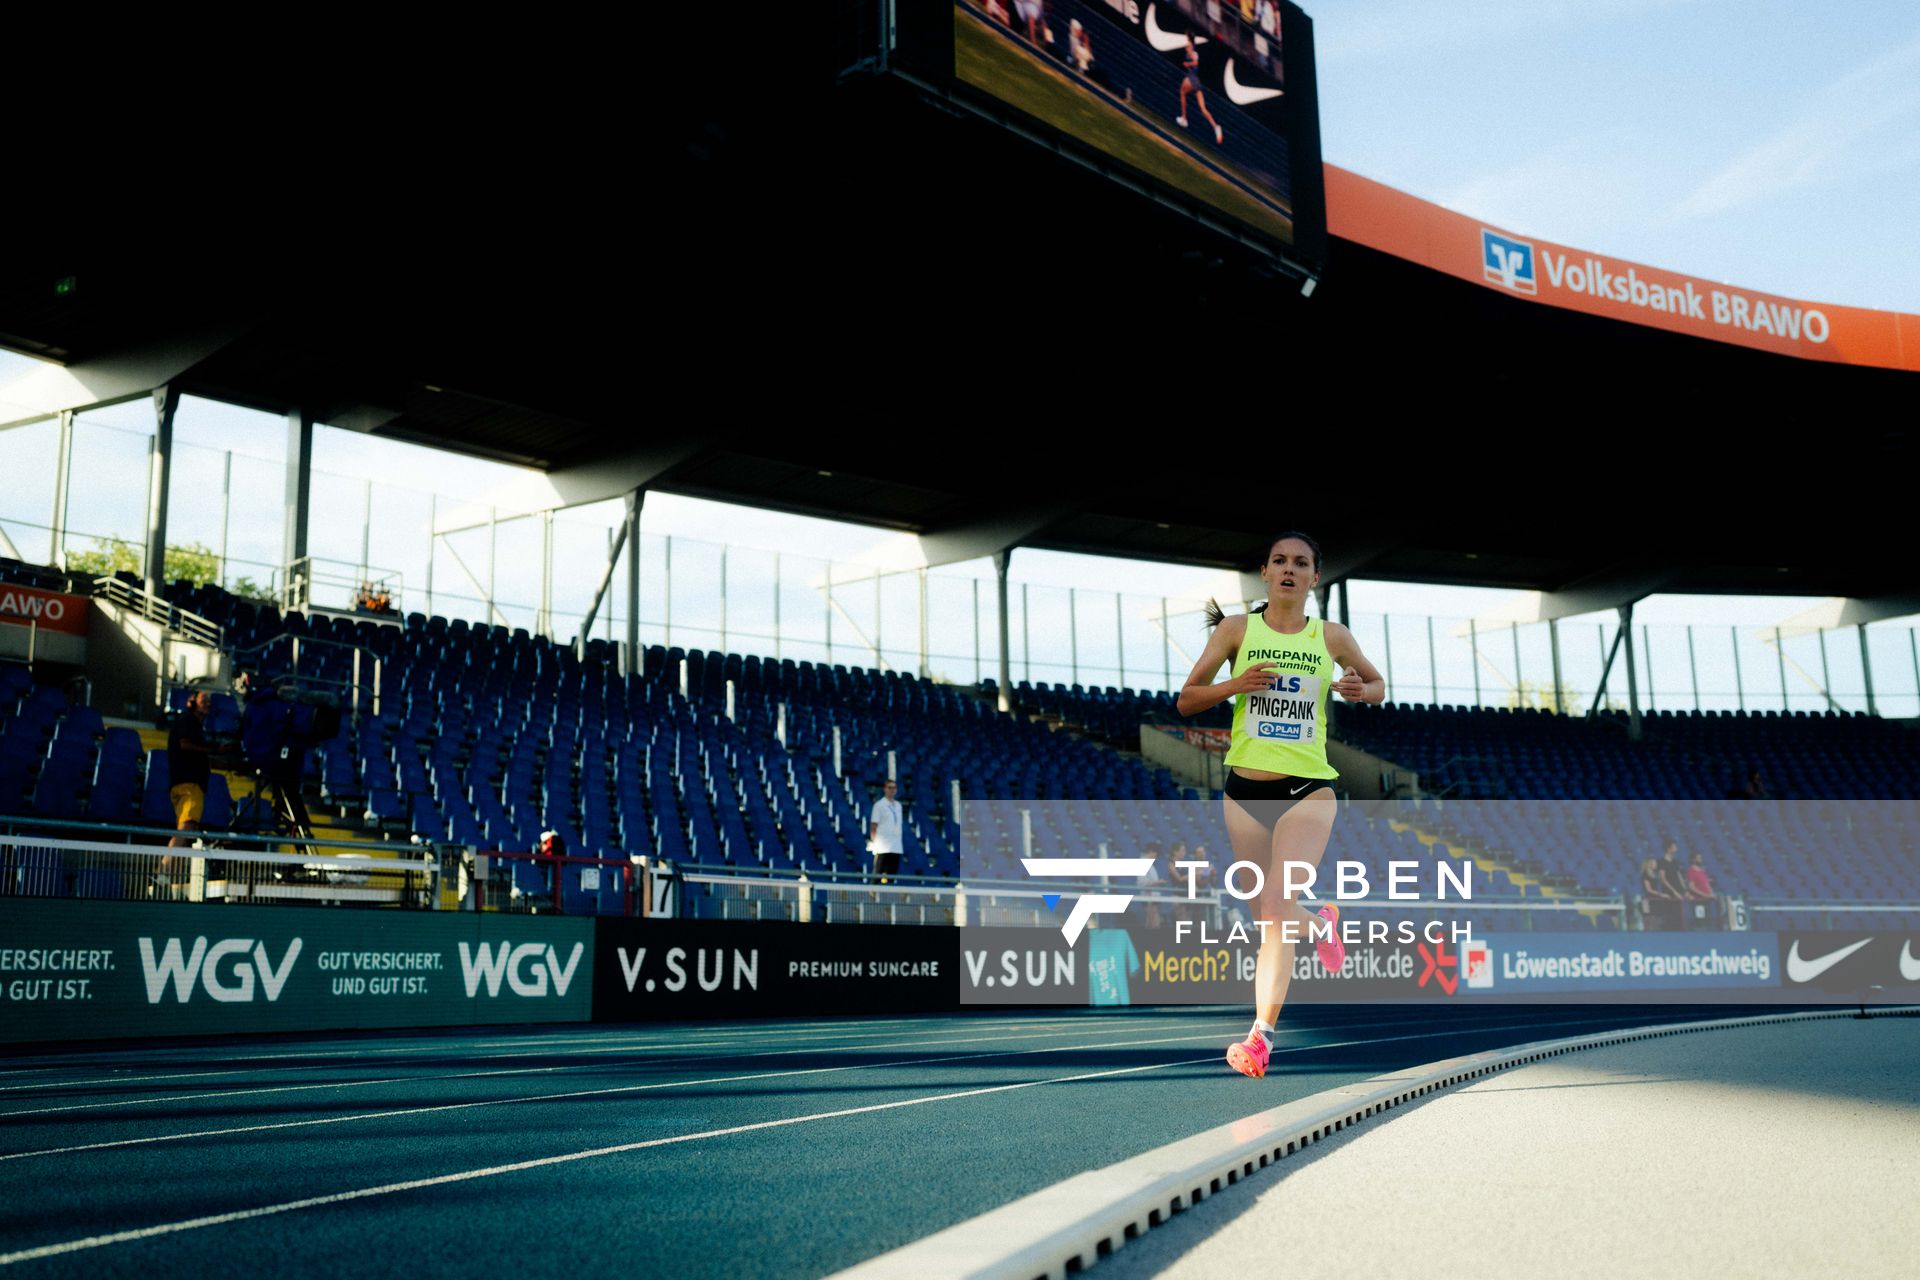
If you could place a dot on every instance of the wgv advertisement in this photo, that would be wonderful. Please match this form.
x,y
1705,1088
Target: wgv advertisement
x,y
87,970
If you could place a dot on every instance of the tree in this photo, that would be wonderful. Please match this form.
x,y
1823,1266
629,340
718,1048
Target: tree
x,y
192,562
248,589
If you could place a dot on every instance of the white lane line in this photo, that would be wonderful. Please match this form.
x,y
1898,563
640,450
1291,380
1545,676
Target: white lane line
x,y
468,1175
808,1028
593,1093
123,1081
396,1113
759,1030
502,1071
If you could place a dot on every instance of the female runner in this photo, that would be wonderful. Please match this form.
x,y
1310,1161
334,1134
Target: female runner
x,y
1190,84
1279,799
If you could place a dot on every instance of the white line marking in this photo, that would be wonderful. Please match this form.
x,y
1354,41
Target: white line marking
x,y
502,1071
396,1113
123,1081
592,1093
392,1188
622,1045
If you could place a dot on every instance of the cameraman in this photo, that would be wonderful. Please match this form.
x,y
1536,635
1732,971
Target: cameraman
x,y
189,757
275,734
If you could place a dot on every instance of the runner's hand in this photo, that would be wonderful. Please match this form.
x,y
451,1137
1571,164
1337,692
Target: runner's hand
x,y
1257,678
1350,686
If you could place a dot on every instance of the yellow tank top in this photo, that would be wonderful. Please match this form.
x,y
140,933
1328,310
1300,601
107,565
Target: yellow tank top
x,y
1284,729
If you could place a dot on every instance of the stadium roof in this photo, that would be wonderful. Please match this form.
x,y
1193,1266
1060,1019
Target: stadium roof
x,y
927,325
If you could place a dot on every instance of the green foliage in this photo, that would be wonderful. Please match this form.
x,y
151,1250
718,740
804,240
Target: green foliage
x,y
187,562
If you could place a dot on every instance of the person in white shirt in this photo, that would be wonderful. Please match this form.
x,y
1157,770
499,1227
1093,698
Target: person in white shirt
x,y
884,833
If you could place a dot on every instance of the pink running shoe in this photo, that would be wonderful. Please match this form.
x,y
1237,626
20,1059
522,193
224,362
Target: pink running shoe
x,y
1333,952
1249,1057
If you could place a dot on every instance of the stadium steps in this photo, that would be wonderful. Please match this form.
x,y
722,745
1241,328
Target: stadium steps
x,y
1488,861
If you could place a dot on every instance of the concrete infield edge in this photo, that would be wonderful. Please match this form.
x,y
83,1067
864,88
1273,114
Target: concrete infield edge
x,y
1062,1229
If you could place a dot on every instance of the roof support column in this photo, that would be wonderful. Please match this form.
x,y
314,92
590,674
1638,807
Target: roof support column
x,y
62,476
299,500
1633,679
1866,667
632,539
1553,638
1002,561
166,400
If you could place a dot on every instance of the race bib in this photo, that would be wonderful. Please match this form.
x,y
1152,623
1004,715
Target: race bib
x,y
1288,712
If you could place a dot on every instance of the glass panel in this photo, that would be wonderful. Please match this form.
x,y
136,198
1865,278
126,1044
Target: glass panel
x,y
1894,650
107,498
29,456
900,622
950,630
804,631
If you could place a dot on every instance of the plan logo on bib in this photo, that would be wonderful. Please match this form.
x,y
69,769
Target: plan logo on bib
x,y
1507,262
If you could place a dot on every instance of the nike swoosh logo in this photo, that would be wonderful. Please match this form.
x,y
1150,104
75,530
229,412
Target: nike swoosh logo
x,y
1799,970
1297,790
1166,41
1241,96
1909,967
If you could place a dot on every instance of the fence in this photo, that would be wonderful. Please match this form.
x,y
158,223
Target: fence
x,y
39,866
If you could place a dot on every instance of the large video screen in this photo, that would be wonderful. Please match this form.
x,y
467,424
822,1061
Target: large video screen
x,y
1213,98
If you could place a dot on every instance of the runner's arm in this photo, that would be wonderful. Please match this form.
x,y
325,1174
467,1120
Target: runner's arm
x,y
1200,693
1362,682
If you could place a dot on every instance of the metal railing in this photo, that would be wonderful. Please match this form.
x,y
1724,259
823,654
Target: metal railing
x,y
732,893
356,584
367,668
487,882
1834,915
153,608
39,866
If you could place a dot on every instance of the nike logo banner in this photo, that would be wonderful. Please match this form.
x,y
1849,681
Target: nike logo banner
x,y
1800,969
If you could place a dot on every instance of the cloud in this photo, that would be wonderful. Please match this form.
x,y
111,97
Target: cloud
x,y
1344,32
1590,185
1865,123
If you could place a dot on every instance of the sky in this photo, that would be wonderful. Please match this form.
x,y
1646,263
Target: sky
x,y
1768,145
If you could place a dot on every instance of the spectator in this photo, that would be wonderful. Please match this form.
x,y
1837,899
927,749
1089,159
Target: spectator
x,y
1034,14
1755,788
1204,876
1079,48
1701,898
189,762
884,828
1656,903
1080,55
552,846
1673,879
